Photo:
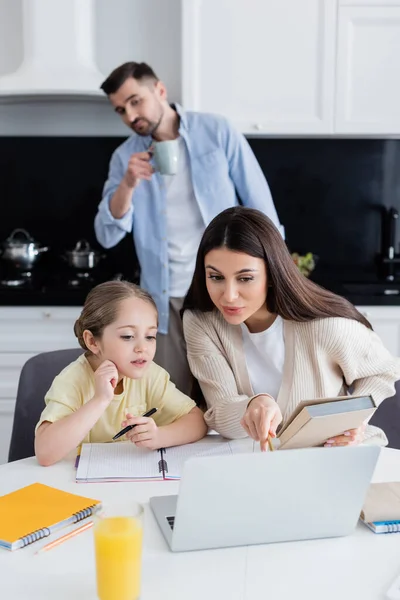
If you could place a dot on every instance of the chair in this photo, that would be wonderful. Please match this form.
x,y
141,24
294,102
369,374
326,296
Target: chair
x,y
387,417
35,380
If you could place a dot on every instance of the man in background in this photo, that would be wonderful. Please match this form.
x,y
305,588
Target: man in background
x,y
168,214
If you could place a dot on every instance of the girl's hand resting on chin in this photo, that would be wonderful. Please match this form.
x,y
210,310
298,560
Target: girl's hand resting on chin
x,y
146,434
105,380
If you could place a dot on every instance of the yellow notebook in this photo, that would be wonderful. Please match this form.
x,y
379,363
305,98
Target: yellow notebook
x,y
35,511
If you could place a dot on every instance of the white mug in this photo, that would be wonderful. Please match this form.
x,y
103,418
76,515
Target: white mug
x,y
166,156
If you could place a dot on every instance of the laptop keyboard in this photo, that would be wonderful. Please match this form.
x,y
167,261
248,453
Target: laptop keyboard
x,y
171,521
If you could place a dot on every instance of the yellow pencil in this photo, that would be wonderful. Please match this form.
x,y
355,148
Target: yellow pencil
x,y
270,445
65,537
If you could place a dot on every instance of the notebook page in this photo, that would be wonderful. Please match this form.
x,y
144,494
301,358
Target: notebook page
x,y
177,455
114,462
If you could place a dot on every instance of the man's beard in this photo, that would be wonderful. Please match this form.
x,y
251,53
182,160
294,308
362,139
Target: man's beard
x,y
144,127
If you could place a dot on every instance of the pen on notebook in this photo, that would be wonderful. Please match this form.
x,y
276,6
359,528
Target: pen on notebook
x,y
129,427
270,445
65,537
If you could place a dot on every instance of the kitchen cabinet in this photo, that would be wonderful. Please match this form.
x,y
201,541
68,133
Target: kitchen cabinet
x,y
267,66
368,63
124,30
282,67
368,2
24,332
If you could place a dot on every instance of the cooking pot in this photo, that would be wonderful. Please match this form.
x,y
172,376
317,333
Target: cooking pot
x,y
21,250
83,257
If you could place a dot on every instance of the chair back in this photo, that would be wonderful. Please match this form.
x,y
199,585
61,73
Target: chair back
x,y
35,380
387,417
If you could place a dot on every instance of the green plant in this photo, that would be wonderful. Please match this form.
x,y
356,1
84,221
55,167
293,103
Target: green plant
x,y
305,263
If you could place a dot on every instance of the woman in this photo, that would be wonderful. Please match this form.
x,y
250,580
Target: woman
x,y
261,337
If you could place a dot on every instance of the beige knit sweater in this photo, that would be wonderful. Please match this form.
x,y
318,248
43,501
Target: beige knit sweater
x,y
322,358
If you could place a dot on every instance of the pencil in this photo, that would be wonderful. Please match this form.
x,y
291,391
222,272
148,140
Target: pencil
x,y
65,537
270,445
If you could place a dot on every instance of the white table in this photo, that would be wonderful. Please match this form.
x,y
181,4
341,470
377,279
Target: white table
x,y
359,567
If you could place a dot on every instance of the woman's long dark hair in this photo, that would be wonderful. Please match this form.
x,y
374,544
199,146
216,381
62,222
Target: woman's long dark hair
x,y
290,294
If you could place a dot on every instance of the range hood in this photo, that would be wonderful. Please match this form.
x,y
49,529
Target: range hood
x,y
59,52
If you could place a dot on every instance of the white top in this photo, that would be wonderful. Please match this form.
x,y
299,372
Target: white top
x,y
360,566
265,355
185,225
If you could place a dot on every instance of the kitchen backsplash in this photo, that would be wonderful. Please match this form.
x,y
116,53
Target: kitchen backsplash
x,y
329,194
51,187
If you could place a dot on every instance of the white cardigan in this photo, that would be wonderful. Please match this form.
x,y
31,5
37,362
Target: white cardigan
x,y
322,359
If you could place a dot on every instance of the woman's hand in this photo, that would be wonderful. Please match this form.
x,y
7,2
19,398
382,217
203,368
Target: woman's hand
x,y
146,434
105,380
353,437
261,419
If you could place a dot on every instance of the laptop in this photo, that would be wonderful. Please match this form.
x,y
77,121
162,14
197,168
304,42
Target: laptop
x,y
261,498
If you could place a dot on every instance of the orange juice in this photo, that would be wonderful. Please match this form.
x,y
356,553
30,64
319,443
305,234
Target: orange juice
x,y
118,546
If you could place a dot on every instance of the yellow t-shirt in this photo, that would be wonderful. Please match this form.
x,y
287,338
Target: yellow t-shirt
x,y
74,386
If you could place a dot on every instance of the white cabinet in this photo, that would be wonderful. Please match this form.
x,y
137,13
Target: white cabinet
x,y
125,30
368,66
267,66
37,329
386,323
6,421
368,2
24,332
273,67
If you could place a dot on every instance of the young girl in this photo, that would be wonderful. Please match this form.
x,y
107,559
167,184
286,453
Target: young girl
x,y
261,337
115,381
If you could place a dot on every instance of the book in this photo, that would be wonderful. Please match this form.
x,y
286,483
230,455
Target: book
x,y
384,526
123,461
315,421
37,510
381,510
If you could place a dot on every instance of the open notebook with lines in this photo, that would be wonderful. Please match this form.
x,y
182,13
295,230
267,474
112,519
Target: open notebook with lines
x,y
123,461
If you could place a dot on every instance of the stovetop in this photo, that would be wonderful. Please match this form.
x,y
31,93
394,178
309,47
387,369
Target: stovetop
x,y
53,285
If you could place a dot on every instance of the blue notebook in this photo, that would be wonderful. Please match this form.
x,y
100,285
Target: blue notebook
x,y
384,526
381,510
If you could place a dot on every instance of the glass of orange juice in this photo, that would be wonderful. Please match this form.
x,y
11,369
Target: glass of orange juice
x,y
118,534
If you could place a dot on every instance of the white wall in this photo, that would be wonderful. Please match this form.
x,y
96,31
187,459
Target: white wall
x,y
140,30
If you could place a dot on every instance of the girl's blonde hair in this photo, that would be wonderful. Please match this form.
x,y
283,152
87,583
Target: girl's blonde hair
x,y
101,307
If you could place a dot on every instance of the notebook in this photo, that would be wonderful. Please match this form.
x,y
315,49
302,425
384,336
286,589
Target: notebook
x,y
381,510
384,526
315,421
124,461
37,510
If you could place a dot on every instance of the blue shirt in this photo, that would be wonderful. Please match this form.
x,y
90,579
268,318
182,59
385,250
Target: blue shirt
x,y
223,167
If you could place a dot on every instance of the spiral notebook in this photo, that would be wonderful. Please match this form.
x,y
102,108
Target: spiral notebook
x,y
384,526
123,461
381,510
37,510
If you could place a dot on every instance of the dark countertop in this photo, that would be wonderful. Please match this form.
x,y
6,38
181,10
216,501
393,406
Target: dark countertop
x,y
55,287
64,295
370,292
42,297
51,285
